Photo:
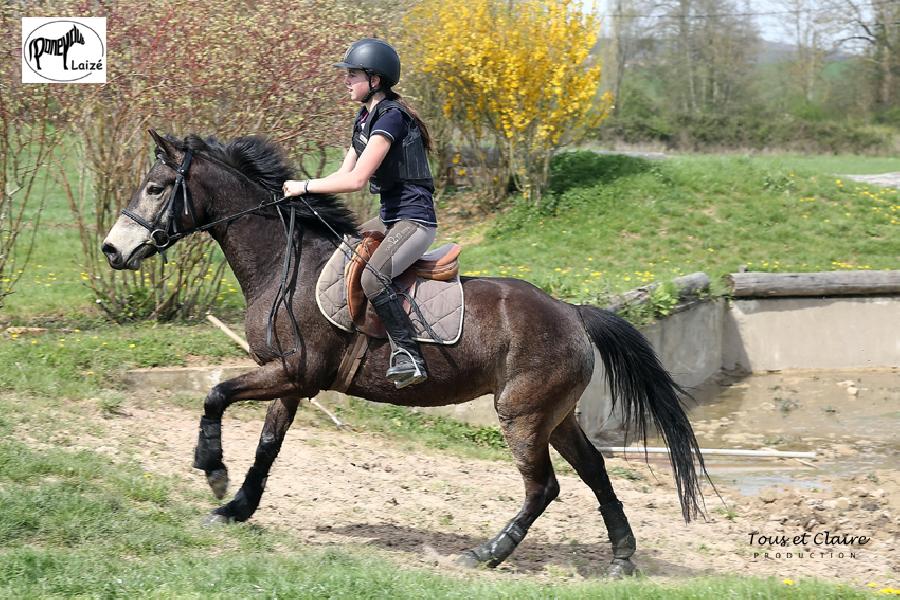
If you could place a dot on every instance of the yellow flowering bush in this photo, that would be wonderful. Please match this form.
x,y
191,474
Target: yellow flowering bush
x,y
518,76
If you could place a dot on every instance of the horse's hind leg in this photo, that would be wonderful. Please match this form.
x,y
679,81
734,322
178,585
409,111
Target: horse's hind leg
x,y
278,420
570,441
265,383
527,436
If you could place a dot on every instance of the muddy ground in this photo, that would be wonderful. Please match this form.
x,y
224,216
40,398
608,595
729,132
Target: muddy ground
x,y
332,487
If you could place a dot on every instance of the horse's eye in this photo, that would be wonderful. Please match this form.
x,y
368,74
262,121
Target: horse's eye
x,y
154,190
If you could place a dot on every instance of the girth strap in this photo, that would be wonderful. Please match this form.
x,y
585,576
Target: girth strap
x,y
350,363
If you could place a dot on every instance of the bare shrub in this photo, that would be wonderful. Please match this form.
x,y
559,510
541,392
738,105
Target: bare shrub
x,y
28,138
216,68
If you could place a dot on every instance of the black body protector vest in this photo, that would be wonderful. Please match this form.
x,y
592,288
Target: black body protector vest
x,y
406,162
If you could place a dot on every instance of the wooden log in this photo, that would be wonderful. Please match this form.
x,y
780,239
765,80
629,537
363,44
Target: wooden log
x,y
227,331
713,452
691,285
831,283
243,344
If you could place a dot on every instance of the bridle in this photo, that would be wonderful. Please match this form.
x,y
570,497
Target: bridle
x,y
164,238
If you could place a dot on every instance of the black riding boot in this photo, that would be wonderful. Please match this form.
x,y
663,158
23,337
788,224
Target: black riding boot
x,y
407,365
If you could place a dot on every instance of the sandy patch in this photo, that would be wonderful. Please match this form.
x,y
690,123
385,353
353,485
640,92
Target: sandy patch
x,y
332,487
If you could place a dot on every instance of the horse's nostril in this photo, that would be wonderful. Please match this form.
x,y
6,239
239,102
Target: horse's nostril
x,y
109,250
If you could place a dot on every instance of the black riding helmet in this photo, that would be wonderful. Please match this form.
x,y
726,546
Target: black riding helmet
x,y
375,57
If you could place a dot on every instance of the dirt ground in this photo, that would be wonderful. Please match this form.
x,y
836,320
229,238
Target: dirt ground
x,y
333,487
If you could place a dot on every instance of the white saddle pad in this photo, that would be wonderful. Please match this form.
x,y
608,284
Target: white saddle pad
x,y
441,302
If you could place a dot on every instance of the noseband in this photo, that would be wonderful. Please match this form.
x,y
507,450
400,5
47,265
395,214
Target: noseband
x,y
163,238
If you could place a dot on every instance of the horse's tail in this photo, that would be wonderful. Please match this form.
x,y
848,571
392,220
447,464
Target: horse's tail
x,y
638,380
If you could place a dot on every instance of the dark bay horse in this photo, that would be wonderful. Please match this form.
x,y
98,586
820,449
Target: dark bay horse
x,y
533,353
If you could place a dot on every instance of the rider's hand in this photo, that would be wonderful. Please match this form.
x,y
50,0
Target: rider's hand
x,y
292,187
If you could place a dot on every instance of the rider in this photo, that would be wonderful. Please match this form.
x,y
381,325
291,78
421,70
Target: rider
x,y
389,151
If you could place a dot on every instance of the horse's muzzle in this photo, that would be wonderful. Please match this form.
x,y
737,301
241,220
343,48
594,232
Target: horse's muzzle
x,y
133,262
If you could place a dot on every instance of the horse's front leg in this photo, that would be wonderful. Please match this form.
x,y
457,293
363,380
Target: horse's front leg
x,y
278,420
265,383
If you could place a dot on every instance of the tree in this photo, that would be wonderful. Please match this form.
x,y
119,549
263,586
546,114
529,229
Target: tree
x,y
515,75
708,68
632,25
805,27
877,25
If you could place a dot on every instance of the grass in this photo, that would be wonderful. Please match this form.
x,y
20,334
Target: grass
x,y
431,431
77,363
53,283
613,223
78,523
831,164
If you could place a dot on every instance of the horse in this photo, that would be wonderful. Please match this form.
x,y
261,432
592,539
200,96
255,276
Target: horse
x,y
534,353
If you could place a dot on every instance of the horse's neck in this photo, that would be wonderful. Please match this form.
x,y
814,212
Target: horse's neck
x,y
254,247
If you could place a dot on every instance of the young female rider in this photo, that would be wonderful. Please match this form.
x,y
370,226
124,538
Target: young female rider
x,y
388,150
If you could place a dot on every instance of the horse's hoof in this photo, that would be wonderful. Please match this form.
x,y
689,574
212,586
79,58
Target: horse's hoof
x,y
621,567
218,482
468,560
213,519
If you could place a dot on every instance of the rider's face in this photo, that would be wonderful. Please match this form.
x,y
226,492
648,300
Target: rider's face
x,y
357,83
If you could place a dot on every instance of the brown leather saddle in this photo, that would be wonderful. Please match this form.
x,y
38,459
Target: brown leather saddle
x,y
441,264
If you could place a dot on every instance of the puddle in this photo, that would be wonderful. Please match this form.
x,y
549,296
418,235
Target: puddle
x,y
849,418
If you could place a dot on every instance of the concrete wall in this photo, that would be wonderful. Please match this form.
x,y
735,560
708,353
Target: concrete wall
x,y
812,333
744,335
761,335
688,342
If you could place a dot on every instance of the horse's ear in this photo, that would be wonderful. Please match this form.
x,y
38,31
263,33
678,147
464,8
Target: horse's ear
x,y
162,143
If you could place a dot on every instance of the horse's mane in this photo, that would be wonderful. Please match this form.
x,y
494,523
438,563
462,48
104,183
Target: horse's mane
x,y
263,162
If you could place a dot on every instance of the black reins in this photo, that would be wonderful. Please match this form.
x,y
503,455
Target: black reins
x,y
163,239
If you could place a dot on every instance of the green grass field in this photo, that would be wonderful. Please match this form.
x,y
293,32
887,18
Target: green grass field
x,y
616,223
834,164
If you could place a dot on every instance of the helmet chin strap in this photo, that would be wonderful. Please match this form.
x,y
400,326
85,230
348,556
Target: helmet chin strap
x,y
372,90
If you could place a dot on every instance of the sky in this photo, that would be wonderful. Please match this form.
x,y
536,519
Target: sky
x,y
772,27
